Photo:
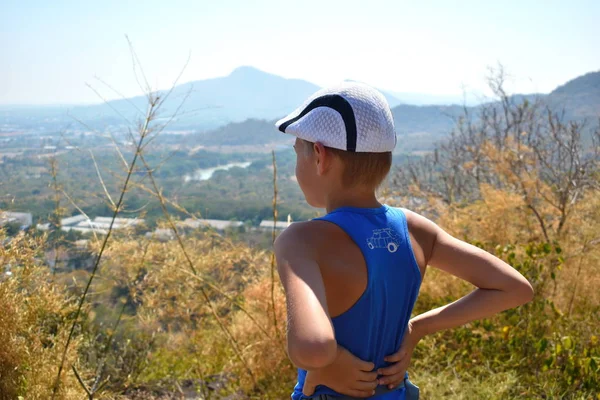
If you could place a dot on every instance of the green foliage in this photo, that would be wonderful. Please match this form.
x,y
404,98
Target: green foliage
x,y
239,193
553,355
11,228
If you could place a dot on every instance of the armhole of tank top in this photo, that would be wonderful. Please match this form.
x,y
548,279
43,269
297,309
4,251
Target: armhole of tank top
x,y
409,246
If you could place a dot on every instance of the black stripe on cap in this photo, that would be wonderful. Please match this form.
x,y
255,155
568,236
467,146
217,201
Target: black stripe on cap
x,y
337,103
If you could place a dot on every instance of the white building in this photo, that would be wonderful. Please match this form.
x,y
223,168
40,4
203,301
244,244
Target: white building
x,y
123,222
267,225
101,225
217,224
23,219
73,220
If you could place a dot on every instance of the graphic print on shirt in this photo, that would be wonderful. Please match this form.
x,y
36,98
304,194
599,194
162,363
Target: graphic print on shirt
x,y
384,239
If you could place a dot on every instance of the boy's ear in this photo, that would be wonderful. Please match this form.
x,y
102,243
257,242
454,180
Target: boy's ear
x,y
322,157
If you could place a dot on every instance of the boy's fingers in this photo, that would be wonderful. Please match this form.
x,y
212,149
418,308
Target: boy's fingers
x,y
392,380
392,369
367,376
396,356
364,365
308,389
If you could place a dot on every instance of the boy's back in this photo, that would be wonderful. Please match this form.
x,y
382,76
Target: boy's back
x,y
371,278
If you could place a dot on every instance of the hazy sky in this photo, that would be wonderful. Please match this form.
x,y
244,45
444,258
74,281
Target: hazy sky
x,y
50,49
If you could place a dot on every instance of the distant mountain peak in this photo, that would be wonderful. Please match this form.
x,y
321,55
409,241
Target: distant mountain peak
x,y
246,70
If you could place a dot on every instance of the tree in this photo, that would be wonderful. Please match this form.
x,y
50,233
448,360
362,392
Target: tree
x,y
516,144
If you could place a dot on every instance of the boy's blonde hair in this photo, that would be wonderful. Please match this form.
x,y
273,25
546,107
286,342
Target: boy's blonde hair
x,y
360,169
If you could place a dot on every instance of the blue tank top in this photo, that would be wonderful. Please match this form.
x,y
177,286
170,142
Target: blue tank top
x,y
374,326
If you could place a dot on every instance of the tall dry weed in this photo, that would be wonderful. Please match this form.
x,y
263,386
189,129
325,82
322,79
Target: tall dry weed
x,y
34,317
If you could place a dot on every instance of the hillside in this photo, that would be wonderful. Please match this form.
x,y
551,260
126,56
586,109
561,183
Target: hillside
x,y
418,127
217,109
579,97
249,132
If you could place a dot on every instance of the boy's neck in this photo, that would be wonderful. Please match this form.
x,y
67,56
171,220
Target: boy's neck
x,y
351,198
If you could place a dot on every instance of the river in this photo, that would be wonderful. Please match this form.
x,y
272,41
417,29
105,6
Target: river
x,y
205,174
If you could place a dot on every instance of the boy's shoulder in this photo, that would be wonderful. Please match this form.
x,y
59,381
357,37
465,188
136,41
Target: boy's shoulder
x,y
417,223
306,236
306,230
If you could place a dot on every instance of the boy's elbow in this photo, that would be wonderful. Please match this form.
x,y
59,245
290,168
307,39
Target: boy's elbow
x,y
525,291
313,355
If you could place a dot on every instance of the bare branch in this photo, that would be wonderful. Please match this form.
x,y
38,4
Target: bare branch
x,y
136,63
101,180
119,94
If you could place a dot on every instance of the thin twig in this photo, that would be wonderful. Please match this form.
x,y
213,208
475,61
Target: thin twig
x,y
82,212
143,131
82,384
108,103
120,95
273,253
101,180
57,210
136,62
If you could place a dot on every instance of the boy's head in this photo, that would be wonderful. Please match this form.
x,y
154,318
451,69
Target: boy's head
x,y
345,137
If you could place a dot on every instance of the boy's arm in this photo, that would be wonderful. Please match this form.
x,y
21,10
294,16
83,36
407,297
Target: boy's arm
x,y
310,337
499,286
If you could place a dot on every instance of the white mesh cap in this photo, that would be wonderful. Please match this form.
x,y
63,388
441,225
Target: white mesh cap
x,y
349,116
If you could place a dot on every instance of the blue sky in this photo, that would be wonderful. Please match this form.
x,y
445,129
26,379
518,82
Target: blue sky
x,y
51,49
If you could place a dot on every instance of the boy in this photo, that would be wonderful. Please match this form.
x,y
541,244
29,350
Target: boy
x,y
352,277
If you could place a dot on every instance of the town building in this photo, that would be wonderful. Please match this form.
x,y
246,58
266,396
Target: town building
x,y
216,224
23,219
101,225
267,225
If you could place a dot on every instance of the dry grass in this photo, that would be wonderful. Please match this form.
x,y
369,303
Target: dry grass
x,y
34,316
168,333
502,217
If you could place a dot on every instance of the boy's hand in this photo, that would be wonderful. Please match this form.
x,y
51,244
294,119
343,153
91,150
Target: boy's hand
x,y
347,375
394,374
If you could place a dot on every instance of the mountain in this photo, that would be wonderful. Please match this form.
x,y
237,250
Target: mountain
x,y
420,126
579,97
217,108
246,93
